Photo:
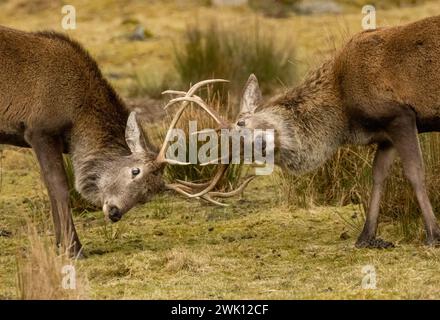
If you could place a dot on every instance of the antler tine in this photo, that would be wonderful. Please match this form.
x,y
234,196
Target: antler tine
x,y
184,189
233,192
203,105
218,203
193,184
200,84
178,189
161,156
220,172
177,92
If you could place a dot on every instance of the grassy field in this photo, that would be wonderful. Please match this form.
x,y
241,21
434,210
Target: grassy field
x,y
259,247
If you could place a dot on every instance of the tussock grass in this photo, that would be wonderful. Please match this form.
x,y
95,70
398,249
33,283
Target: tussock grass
x,y
347,179
233,52
219,50
151,84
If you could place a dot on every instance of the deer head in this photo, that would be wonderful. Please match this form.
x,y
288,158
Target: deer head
x,y
140,174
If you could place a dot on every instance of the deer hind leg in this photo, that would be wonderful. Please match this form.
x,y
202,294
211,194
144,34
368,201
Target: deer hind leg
x,y
49,154
383,160
403,133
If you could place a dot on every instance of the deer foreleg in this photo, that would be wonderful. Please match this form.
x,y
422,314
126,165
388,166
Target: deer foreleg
x,y
49,154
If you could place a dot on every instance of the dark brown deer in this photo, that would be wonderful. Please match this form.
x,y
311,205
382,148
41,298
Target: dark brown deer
x,y
54,99
383,88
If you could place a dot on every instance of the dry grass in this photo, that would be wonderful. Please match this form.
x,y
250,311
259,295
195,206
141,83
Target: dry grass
x,y
42,273
285,253
347,179
181,259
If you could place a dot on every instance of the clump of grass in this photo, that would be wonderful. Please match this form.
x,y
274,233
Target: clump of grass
x,y
336,183
347,179
151,84
233,52
42,272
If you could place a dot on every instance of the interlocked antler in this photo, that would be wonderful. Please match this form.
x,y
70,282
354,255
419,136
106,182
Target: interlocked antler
x,y
191,189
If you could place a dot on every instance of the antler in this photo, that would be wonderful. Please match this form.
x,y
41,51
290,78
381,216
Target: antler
x,y
191,189
188,97
186,187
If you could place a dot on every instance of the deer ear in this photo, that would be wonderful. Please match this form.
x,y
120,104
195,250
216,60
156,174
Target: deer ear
x,y
252,96
135,138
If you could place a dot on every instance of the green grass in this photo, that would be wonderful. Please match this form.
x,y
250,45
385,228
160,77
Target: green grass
x,y
347,179
177,248
233,52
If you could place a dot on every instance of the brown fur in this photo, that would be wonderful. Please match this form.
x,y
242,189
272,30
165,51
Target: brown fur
x,y
54,99
382,87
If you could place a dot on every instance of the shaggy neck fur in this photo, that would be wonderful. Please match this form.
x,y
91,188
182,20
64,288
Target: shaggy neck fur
x,y
98,140
309,122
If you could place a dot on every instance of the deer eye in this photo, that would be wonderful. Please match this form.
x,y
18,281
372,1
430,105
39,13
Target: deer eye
x,y
241,123
135,171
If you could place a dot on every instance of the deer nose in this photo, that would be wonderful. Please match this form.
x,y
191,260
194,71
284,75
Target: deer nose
x,y
114,214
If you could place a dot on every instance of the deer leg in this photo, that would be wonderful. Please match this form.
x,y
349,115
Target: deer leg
x,y
403,133
49,154
383,160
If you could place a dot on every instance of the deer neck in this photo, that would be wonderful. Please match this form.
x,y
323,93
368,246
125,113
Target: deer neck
x,y
97,142
309,122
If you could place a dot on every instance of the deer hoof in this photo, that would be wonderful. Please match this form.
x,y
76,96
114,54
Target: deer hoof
x,y
375,243
433,242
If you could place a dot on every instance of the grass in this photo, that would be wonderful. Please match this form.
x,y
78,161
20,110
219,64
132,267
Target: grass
x,y
347,179
42,273
176,248
233,52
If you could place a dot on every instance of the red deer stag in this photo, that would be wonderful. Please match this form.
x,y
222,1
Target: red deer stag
x,y
55,100
383,88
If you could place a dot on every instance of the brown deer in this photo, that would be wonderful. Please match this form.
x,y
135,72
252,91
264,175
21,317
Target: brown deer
x,y
54,99
383,88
